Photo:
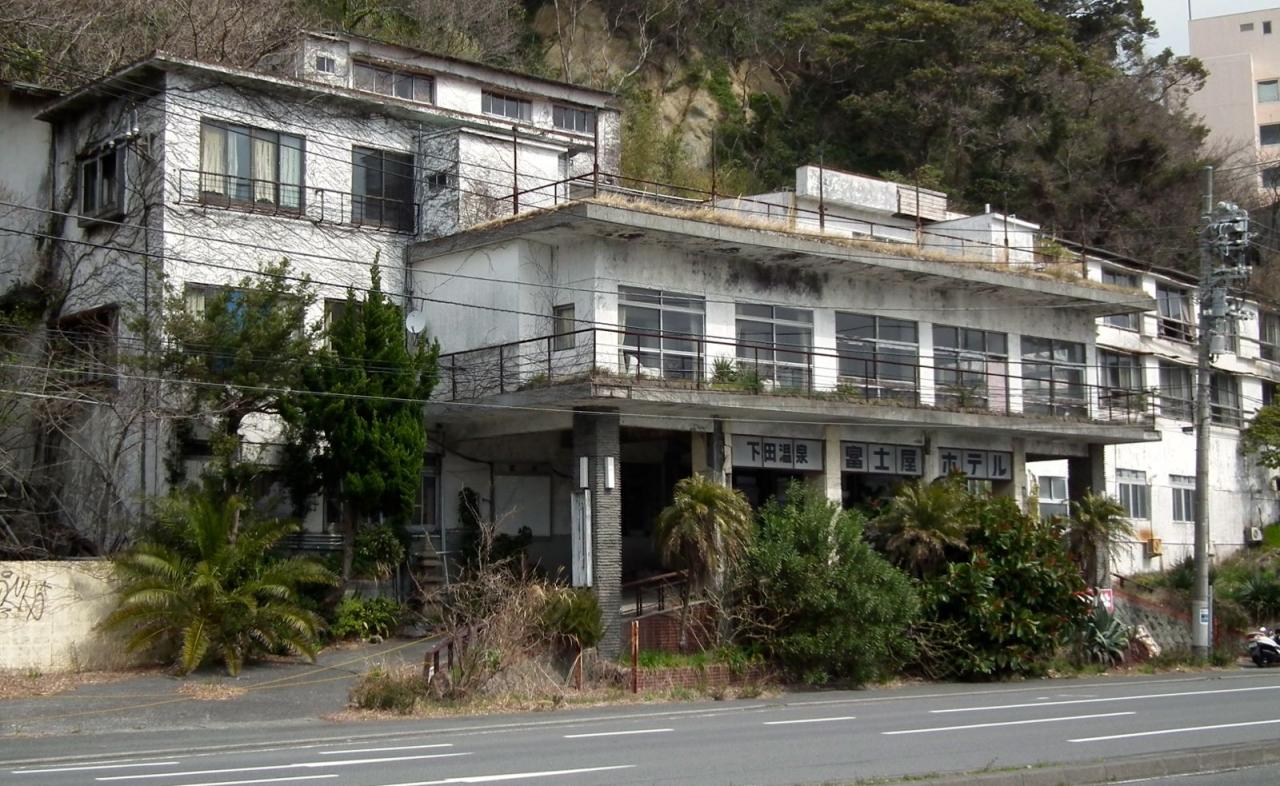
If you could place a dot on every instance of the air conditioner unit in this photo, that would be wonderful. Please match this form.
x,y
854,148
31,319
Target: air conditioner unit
x,y
1253,535
1155,547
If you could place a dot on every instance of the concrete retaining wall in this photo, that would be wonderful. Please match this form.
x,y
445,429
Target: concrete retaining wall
x,y
48,611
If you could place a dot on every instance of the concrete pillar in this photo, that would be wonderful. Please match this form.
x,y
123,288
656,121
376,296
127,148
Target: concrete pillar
x,y
832,466
1016,486
717,447
1087,473
596,436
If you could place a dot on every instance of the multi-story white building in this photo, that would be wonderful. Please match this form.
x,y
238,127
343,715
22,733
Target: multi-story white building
x,y
1240,102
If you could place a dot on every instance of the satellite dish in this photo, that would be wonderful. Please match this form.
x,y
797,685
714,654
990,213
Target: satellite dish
x,y
416,321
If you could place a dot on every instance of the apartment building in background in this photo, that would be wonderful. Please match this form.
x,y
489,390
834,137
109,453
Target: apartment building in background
x,y
1240,102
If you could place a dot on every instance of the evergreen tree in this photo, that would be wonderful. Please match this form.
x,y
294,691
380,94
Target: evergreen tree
x,y
358,429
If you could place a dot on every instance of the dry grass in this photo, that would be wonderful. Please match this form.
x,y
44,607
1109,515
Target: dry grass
x,y
29,684
211,691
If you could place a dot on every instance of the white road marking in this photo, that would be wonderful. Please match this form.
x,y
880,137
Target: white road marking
x,y
262,780
380,750
265,767
1175,731
80,767
1134,697
808,720
616,733
513,776
1008,723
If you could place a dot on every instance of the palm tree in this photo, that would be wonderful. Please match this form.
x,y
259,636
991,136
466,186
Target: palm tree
x,y
200,583
1094,531
704,530
921,526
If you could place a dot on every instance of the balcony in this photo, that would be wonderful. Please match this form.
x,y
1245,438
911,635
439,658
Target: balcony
x,y
318,205
639,359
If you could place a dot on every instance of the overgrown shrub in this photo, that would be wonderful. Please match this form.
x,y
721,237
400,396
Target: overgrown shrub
x,y
384,689
1103,638
817,599
363,618
1009,606
573,615
377,553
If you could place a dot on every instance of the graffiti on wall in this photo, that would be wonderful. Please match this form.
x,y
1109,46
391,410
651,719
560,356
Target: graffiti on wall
x,y
22,598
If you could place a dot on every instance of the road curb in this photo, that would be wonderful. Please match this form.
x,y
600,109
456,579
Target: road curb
x,y
1151,765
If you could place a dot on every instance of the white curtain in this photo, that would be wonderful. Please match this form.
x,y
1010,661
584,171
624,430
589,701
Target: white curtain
x,y
291,173
264,170
213,160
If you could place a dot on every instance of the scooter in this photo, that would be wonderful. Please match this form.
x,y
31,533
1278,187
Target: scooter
x,y
1263,649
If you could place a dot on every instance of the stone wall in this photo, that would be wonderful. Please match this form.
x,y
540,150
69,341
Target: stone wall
x,y
1171,628
48,614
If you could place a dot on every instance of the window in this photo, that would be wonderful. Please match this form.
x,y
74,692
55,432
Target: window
x,y
1266,28
1271,177
1247,27
1224,399
1184,498
1269,134
563,325
1053,377
1133,493
1269,91
506,106
1176,390
664,333
382,189
1268,392
326,64
399,84
250,167
879,356
1174,307
971,368
83,347
572,118
438,181
1128,281
777,342
102,184
1053,496
1121,380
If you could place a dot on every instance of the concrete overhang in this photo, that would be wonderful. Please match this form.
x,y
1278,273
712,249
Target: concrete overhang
x,y
541,409
705,231
142,79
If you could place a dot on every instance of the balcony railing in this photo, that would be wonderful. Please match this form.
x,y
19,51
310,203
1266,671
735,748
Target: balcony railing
x,y
619,356
320,205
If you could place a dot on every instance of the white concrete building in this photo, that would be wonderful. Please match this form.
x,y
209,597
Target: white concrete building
x,y
1240,102
172,176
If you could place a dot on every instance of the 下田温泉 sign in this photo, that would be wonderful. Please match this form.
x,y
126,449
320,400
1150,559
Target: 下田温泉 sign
x,y
882,459
777,453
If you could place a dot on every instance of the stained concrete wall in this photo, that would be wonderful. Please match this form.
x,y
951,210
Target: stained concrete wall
x,y
48,617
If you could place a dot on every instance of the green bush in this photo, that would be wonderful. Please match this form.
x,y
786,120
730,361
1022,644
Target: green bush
x,y
573,615
380,689
377,553
1006,608
363,618
1103,638
817,599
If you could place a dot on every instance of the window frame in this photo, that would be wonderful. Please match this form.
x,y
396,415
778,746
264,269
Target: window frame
x,y
86,347
563,326
1066,397
1224,400
1270,85
667,352
489,105
1183,499
1172,326
253,202
403,220
1133,492
322,60
764,356
394,78
562,111
102,209
1124,389
1130,280
1269,131
876,356
965,376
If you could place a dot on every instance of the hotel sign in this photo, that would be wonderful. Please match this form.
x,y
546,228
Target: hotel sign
x,y
976,464
777,453
882,459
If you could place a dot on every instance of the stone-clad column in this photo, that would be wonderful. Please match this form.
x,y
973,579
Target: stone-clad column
x,y
596,436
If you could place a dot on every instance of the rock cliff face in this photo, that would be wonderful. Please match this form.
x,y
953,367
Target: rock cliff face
x,y
688,90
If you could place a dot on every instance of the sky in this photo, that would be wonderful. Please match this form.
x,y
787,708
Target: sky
x,y
1171,17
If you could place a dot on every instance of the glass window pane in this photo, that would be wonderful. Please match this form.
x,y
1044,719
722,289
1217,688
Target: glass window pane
x,y
997,344
793,314
855,325
1269,134
897,330
944,336
754,310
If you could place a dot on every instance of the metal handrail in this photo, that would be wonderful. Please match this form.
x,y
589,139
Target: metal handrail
x,y
603,355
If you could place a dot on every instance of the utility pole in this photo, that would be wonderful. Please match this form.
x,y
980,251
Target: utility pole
x,y
1223,244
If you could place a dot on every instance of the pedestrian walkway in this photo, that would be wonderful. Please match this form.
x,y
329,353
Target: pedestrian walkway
x,y
276,690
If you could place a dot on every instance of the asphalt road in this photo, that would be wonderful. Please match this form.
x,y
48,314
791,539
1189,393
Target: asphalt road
x,y
799,739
